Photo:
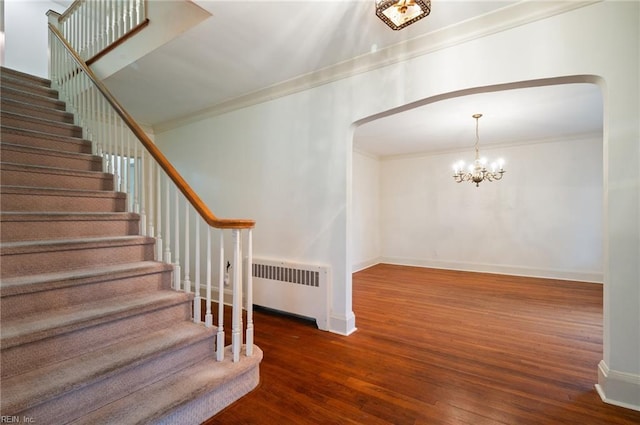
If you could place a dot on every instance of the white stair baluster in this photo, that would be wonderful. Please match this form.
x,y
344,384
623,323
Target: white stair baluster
x,y
176,264
159,249
187,281
249,272
208,318
150,201
197,300
236,326
142,186
167,222
220,335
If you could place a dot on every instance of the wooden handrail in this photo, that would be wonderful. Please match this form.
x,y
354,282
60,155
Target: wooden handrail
x,y
178,180
133,31
70,9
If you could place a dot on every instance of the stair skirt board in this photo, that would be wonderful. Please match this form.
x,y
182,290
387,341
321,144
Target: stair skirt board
x,y
92,331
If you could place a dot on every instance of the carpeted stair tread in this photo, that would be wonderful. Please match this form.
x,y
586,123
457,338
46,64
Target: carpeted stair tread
x,y
25,226
29,137
45,281
92,332
42,176
38,326
156,401
41,124
65,216
35,98
25,198
40,256
94,161
27,85
77,372
33,79
19,247
17,106
53,170
44,191
47,151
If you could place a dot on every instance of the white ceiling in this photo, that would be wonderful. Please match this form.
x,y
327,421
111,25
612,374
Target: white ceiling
x,y
508,117
247,46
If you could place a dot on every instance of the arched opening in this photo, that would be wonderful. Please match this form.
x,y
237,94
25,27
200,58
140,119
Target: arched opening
x,y
543,219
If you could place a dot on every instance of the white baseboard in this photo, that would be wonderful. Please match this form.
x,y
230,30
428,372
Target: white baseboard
x,y
618,388
227,297
343,325
364,264
595,277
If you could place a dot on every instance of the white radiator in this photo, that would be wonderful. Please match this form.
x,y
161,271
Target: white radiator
x,y
299,289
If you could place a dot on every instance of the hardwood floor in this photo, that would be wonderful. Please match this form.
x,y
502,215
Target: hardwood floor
x,y
437,347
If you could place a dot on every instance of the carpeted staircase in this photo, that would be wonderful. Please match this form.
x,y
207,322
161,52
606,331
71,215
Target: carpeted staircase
x,y
91,331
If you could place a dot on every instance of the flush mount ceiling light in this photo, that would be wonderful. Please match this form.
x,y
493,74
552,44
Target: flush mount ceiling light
x,y
478,171
401,13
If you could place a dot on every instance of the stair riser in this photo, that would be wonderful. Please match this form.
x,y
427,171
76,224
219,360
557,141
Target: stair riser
x,y
29,87
31,111
49,159
22,96
13,231
39,302
60,129
73,259
70,405
25,357
56,143
61,203
48,178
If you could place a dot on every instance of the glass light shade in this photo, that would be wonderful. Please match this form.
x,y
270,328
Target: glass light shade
x,y
398,14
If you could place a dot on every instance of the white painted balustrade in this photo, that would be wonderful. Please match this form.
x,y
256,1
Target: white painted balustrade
x,y
169,210
91,26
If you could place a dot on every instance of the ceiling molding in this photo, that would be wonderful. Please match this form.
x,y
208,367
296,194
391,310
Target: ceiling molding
x,y
509,17
592,135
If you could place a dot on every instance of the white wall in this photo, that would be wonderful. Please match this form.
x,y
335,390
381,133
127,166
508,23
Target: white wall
x,y
543,219
287,162
26,35
366,210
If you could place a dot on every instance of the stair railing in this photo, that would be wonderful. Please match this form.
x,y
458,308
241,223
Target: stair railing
x,y
93,27
170,211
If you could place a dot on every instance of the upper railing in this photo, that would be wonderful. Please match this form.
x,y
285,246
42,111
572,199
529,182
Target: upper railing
x,y
170,210
93,27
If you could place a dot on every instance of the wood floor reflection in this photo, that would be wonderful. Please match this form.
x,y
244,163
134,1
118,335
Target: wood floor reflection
x,y
437,347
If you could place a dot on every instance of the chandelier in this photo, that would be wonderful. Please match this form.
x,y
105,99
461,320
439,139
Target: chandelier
x,y
478,171
401,13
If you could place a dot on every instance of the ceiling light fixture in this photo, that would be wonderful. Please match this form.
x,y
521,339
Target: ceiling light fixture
x,y
478,171
401,13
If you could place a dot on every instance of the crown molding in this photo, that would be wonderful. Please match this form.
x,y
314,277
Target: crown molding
x,y
509,17
591,135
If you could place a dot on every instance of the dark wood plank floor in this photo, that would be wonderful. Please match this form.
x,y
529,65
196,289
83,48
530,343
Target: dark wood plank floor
x,y
437,347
